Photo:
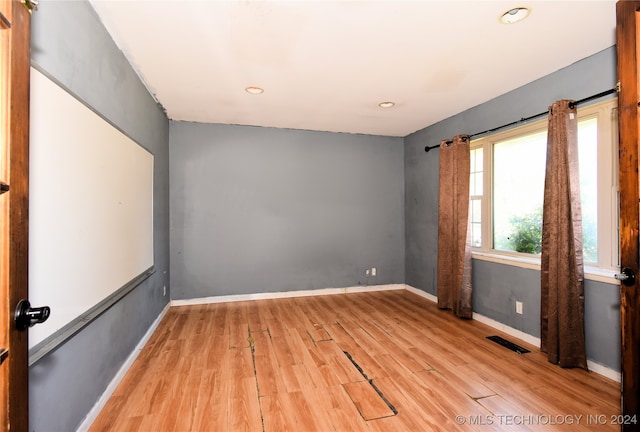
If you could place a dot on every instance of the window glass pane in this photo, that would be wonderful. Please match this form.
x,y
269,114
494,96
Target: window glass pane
x,y
476,194
476,214
476,159
476,235
518,190
588,160
476,184
476,222
476,172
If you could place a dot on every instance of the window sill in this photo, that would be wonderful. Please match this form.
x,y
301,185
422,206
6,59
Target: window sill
x,y
533,263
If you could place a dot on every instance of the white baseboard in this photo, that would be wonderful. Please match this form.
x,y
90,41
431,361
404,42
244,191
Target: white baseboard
x,y
535,341
104,398
421,293
604,371
286,294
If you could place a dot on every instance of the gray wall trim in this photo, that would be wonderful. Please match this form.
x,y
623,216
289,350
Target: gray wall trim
x,y
60,336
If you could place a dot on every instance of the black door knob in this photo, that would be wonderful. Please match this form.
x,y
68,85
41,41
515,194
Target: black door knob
x,y
26,316
627,277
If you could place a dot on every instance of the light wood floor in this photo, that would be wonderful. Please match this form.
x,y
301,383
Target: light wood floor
x,y
380,361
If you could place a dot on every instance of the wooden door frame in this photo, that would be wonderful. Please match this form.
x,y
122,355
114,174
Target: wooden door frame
x,y
627,35
5,34
15,241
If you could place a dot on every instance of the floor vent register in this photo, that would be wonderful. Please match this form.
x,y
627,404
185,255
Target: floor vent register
x,y
507,344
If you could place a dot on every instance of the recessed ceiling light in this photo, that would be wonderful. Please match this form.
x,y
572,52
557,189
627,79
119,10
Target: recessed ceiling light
x,y
386,104
254,90
514,15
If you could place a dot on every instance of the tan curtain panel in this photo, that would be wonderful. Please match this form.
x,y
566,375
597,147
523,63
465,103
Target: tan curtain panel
x,y
454,235
562,284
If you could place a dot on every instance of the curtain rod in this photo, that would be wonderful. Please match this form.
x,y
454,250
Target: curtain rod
x,y
526,119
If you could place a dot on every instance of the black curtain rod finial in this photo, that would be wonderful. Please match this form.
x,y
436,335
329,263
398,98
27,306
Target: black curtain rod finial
x,y
447,143
427,148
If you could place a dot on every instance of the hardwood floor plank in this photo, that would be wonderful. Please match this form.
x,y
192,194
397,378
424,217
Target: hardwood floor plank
x,y
212,411
369,366
394,347
338,362
300,344
504,377
305,418
242,364
316,363
218,318
215,349
269,376
461,378
413,415
573,401
440,408
274,420
313,319
368,402
281,344
239,336
108,417
343,414
458,402
244,407
325,312
131,423
277,413
340,336
254,315
187,401
503,410
364,339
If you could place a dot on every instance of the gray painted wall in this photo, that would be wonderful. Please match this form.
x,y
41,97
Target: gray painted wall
x,y
257,210
496,286
70,44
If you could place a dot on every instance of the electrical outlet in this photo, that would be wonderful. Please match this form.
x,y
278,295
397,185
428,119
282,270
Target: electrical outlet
x,y
373,271
164,291
366,272
519,307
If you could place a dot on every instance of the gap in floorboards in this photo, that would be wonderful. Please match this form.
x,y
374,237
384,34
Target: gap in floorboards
x,y
372,384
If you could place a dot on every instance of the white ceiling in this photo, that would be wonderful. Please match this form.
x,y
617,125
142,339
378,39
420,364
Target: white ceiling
x,y
325,65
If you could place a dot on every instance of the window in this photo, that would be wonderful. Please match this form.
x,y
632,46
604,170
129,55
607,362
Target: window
x,y
518,191
507,189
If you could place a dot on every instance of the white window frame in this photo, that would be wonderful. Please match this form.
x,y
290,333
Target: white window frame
x,y
608,196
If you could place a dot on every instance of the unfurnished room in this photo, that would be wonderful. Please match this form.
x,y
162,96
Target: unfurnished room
x,y
375,215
